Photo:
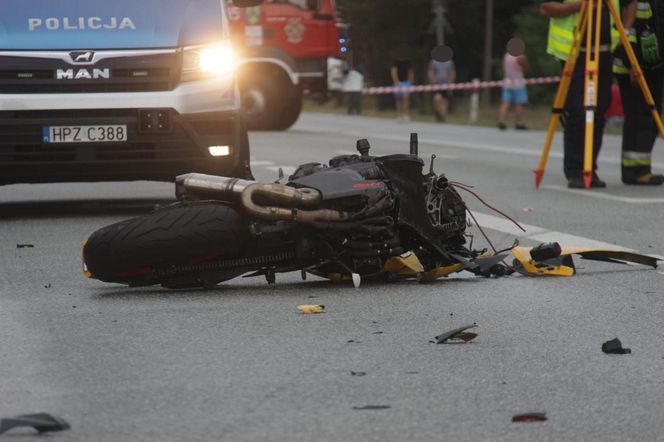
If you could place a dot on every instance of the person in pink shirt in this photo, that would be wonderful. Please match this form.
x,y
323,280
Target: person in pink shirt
x,y
514,90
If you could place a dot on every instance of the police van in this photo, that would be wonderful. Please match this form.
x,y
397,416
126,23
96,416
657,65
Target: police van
x,y
118,90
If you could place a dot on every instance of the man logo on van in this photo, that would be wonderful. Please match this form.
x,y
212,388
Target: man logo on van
x,y
82,57
80,23
83,74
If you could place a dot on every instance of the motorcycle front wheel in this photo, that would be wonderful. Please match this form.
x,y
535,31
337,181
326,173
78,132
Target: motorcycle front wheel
x,y
173,245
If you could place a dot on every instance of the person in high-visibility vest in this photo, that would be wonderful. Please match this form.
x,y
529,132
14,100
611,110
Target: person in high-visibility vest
x,y
644,19
564,15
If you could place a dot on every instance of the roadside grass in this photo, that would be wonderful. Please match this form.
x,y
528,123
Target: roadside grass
x,y
536,116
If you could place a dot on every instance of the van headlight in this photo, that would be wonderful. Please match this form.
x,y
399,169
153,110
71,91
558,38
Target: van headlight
x,y
208,61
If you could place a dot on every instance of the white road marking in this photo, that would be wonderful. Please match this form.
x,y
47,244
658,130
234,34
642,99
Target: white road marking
x,y
261,163
606,196
288,170
541,234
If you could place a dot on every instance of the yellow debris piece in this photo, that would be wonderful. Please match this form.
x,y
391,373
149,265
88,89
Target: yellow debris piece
x,y
522,254
311,309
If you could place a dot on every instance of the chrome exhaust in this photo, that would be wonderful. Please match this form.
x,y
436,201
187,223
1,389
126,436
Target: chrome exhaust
x,y
290,201
210,185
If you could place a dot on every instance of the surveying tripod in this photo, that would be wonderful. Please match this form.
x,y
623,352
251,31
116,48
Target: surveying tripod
x,y
590,22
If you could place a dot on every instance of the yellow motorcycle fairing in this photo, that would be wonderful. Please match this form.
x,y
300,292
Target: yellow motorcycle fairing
x,y
564,265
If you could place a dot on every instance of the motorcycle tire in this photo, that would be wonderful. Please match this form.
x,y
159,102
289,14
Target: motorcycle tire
x,y
143,250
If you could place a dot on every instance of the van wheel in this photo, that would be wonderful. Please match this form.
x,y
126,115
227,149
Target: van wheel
x,y
269,101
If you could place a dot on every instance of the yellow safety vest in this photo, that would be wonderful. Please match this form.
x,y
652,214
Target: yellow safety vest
x,y
561,33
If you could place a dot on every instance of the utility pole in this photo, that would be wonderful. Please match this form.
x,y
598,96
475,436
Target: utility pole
x,y
438,9
488,45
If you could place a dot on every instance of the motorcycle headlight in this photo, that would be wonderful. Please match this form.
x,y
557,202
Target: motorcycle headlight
x,y
208,61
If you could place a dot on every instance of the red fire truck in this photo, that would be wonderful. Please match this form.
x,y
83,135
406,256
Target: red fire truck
x,y
284,47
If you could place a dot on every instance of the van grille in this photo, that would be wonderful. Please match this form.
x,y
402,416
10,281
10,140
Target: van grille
x,y
33,75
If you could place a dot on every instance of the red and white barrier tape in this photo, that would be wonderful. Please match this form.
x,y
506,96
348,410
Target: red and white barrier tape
x,y
458,86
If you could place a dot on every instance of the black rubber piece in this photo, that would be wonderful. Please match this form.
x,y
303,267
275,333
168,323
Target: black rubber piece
x,y
42,422
180,234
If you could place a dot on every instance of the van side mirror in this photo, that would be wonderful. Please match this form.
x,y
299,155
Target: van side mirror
x,y
246,3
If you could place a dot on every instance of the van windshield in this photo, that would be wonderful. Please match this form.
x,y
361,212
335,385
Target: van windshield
x,y
113,24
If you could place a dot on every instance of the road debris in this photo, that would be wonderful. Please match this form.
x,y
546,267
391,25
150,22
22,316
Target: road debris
x,y
42,422
615,347
372,407
458,334
537,416
311,309
25,246
550,259
358,373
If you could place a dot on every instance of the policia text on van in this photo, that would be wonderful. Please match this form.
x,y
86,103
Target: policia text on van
x,y
121,90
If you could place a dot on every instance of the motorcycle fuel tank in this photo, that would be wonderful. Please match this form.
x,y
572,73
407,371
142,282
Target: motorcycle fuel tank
x,y
339,183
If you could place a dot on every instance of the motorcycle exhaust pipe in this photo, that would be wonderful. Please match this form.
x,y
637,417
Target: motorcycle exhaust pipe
x,y
291,200
210,185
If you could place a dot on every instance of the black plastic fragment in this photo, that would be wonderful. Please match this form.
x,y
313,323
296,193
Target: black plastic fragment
x,y
537,416
358,373
545,251
42,422
615,347
25,246
372,407
443,338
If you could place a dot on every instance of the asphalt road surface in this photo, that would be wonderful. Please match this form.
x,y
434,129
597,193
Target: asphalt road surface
x,y
239,363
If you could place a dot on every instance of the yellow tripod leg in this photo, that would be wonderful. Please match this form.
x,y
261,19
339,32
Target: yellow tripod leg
x,y
636,68
561,94
591,84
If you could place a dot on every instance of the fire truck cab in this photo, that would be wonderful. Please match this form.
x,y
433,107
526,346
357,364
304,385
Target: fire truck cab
x,y
284,46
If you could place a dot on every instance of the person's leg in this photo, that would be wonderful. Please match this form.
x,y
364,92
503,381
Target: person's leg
x,y
358,102
443,106
504,108
629,97
406,106
518,114
397,103
637,150
605,80
521,100
575,125
438,105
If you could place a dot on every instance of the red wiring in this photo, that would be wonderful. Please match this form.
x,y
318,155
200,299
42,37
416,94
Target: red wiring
x,y
456,185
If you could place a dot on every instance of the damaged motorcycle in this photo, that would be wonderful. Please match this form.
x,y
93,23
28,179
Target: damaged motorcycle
x,y
358,217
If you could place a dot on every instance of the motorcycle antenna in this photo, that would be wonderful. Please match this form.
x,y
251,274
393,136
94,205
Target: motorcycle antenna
x,y
413,144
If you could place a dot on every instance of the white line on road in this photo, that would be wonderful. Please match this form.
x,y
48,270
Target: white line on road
x,y
288,170
261,163
606,196
540,234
